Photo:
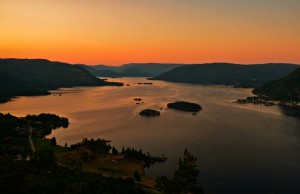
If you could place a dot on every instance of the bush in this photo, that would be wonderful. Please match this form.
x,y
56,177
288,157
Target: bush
x,y
137,176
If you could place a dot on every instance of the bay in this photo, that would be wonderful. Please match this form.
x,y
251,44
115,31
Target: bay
x,y
237,146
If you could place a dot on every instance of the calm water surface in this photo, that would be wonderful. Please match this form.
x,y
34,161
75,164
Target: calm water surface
x,y
240,148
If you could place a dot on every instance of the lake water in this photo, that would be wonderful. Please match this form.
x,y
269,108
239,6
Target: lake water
x,y
240,148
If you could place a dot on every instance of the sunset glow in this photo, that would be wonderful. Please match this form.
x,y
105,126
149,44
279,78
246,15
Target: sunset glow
x,y
168,31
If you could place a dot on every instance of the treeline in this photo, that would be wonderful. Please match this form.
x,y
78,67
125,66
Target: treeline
x,y
102,147
9,122
99,146
147,158
46,122
43,120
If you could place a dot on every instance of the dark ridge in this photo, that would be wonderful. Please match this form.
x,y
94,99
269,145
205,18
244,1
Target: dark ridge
x,y
228,73
101,72
135,72
286,88
131,70
153,69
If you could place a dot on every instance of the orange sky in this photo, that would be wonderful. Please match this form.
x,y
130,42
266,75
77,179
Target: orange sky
x,y
115,32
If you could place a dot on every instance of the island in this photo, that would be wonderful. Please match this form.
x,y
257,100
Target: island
x,y
185,106
149,112
137,99
145,83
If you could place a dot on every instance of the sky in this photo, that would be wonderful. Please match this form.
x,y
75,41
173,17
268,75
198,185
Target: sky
x,y
114,32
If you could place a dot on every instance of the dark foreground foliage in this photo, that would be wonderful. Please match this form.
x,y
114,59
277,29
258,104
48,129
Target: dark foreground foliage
x,y
23,170
42,175
14,131
184,179
45,123
147,158
103,147
99,146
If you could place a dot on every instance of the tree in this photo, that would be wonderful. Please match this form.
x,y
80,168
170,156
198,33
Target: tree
x,y
85,156
45,159
163,184
53,141
185,177
137,176
114,151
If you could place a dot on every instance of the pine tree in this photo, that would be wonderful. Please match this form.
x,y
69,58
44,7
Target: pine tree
x,y
185,177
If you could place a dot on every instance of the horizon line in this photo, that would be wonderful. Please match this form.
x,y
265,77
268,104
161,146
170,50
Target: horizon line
x,y
162,63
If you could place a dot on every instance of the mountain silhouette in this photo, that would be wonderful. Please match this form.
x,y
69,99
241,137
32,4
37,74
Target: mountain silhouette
x,y
227,73
286,88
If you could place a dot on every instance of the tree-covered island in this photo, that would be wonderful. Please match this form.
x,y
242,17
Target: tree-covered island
x,y
185,106
149,112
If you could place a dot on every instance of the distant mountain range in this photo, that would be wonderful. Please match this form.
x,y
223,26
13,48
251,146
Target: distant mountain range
x,y
286,88
227,73
105,72
153,69
130,70
24,77
20,77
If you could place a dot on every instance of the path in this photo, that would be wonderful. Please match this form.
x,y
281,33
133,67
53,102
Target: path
x,y
30,139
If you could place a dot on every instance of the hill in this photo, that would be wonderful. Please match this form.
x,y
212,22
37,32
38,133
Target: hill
x,y
108,73
135,72
101,72
26,77
286,88
227,73
154,69
116,69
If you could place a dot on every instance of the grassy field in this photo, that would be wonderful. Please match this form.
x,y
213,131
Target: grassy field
x,y
108,165
42,144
